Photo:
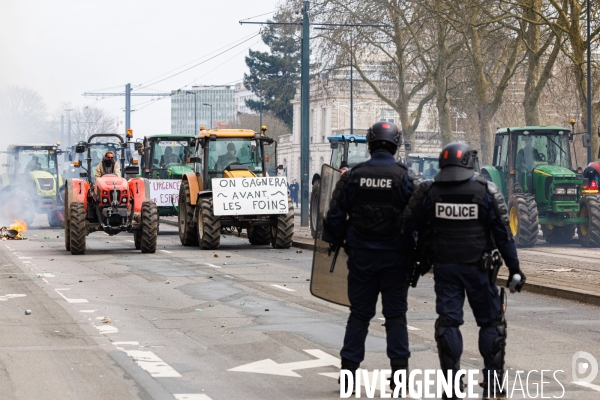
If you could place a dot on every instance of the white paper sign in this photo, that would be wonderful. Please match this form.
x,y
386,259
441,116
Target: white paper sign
x,y
250,196
164,192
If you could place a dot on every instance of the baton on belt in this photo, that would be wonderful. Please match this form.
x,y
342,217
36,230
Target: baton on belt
x,y
335,256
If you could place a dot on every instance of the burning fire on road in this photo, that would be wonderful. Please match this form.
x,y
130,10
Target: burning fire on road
x,y
14,231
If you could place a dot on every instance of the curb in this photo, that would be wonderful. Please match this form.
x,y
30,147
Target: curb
x,y
582,296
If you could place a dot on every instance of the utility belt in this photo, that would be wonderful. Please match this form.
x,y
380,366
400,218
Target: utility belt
x,y
490,262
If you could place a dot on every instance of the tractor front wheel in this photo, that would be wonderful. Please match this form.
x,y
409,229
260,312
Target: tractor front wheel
x,y
314,207
188,234
283,233
558,234
524,223
209,226
589,234
78,228
54,221
259,235
67,225
149,232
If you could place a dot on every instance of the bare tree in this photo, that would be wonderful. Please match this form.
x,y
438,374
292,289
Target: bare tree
x,y
275,126
85,121
22,112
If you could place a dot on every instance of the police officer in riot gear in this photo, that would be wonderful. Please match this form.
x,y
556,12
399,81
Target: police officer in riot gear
x,y
366,212
463,220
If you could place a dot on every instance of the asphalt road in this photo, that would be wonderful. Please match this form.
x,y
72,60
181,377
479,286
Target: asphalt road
x,y
185,323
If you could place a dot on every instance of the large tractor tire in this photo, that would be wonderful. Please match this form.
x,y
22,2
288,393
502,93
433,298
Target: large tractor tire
x,y
137,240
314,207
67,225
209,226
149,232
16,204
78,228
188,231
589,234
259,235
54,221
524,223
283,233
558,234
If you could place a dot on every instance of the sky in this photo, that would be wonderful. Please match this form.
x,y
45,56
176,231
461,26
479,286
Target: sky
x,y
63,48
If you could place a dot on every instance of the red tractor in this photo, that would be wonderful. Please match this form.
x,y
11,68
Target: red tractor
x,y
111,204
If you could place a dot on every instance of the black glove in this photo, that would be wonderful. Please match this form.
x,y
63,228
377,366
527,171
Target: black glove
x,y
511,275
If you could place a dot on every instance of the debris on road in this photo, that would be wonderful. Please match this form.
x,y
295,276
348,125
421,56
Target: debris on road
x,y
298,251
216,255
167,282
27,312
106,320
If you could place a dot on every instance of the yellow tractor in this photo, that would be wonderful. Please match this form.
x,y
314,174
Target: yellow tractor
x,y
234,186
30,184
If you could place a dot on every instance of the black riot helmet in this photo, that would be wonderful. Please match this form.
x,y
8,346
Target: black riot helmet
x,y
457,163
384,135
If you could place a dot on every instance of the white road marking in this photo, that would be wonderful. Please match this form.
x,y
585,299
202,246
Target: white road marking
x,y
126,343
588,385
87,311
191,396
150,362
270,367
228,276
283,288
131,241
410,328
45,280
25,258
165,251
26,262
104,329
46,275
212,265
72,301
6,297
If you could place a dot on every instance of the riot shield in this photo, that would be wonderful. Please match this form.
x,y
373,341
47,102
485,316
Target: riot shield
x,y
327,283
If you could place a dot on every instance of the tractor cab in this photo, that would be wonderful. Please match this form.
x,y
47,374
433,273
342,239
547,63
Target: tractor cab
x,y
349,148
532,168
97,150
425,165
166,156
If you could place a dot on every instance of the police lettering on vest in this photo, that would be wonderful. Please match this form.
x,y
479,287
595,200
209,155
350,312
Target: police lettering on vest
x,y
375,183
456,211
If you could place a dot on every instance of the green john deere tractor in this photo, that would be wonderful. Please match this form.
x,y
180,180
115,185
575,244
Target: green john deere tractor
x,y
165,160
532,167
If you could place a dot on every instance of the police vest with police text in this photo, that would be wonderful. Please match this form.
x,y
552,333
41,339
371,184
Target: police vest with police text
x,y
459,234
376,210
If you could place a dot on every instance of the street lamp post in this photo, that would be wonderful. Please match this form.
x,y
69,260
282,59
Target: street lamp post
x,y
69,126
195,109
589,82
211,114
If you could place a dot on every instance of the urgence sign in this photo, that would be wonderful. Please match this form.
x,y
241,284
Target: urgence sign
x,y
250,196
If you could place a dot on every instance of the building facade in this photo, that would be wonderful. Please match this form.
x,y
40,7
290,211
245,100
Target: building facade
x,y
241,95
209,106
330,115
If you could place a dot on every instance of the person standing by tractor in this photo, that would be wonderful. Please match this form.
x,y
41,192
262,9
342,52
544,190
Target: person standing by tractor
x,y
294,189
366,212
462,224
107,166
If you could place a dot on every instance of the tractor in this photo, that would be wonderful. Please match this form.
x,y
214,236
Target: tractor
x,y
347,149
30,184
244,160
110,204
165,159
532,168
420,163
